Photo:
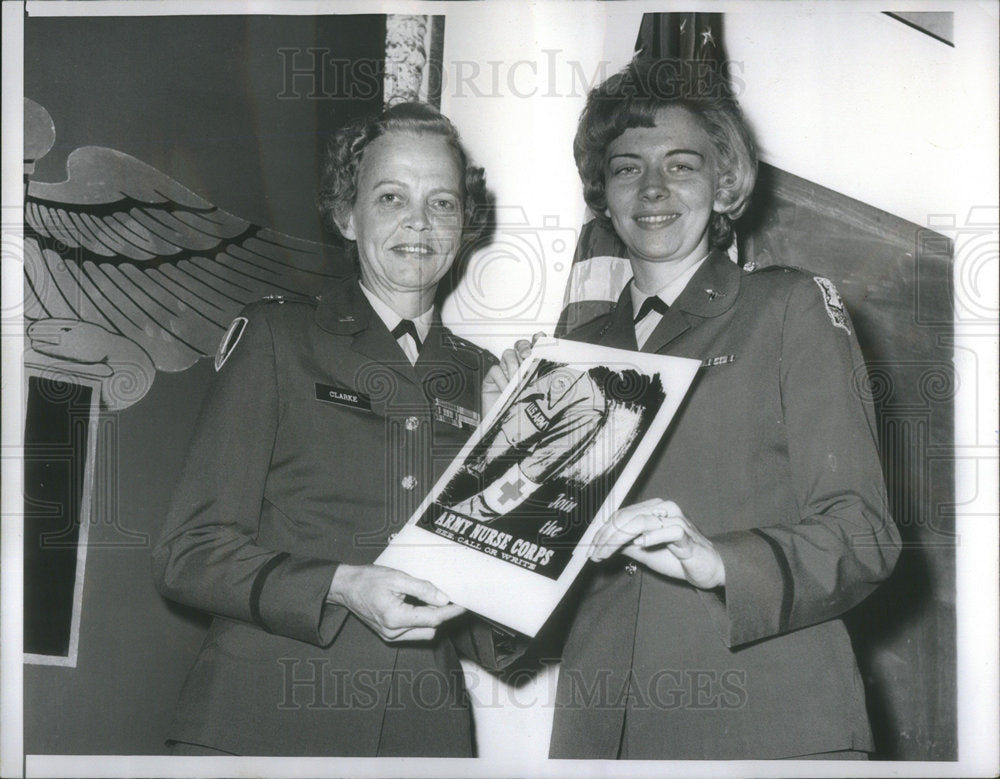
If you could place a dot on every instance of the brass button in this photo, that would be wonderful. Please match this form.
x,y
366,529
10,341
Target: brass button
x,y
412,423
408,482
631,568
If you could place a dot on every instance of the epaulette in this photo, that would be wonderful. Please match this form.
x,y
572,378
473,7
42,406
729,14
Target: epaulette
x,y
292,298
753,267
465,347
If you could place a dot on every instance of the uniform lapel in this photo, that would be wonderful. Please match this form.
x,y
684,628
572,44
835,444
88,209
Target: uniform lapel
x,y
710,292
344,310
435,361
673,324
619,333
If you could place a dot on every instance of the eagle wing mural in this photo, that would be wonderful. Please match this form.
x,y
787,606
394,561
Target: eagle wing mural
x,y
127,272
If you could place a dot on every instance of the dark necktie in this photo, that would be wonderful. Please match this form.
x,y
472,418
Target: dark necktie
x,y
406,327
652,303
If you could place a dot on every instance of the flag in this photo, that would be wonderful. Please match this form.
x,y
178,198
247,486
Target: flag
x,y
685,37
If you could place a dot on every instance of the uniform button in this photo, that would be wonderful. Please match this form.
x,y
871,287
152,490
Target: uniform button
x,y
631,568
412,423
408,482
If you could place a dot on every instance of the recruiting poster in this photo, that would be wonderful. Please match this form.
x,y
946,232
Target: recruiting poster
x,y
505,530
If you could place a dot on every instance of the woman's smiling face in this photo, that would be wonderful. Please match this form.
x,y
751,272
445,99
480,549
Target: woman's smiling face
x,y
661,188
407,216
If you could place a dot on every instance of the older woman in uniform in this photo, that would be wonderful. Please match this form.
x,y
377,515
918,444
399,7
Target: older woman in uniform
x,y
321,434
709,625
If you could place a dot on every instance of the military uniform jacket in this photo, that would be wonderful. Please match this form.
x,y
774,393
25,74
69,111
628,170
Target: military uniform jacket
x,y
773,456
316,443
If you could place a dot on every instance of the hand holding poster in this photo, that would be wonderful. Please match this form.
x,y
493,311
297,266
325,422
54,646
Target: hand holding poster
x,y
505,530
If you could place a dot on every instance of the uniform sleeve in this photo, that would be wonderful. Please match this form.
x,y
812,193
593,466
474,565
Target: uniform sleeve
x,y
781,577
207,555
563,443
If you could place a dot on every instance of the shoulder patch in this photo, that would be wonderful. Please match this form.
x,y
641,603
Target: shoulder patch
x,y
834,305
229,341
452,341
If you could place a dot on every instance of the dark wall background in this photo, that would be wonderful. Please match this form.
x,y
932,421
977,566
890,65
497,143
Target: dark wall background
x,y
208,101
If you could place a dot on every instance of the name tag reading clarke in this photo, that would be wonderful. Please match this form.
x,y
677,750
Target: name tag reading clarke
x,y
342,397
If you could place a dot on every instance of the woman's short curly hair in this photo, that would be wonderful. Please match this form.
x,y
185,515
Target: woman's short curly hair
x,y
633,97
342,162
